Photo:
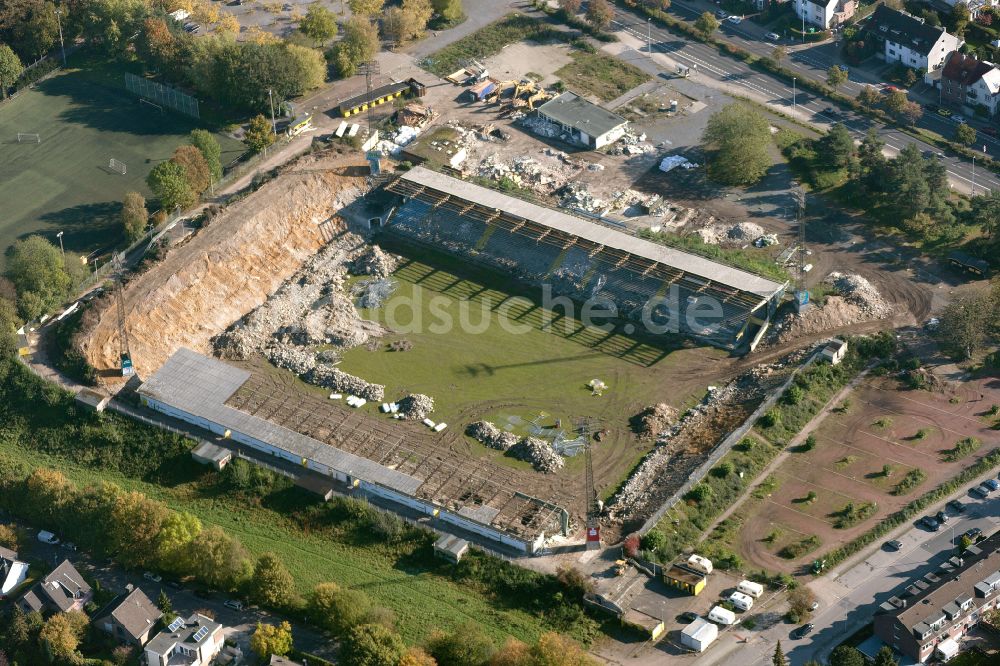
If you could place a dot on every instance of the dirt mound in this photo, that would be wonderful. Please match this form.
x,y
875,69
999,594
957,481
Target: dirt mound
x,y
862,293
374,262
653,420
226,270
859,301
731,234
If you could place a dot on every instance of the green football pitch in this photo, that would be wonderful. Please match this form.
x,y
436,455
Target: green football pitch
x,y
63,182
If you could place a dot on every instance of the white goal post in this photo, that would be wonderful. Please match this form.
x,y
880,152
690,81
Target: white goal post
x,y
28,137
117,165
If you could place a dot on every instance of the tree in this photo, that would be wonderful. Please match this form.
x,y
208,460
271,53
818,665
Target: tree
x,y
417,657
836,76
778,54
845,655
337,609
36,269
779,656
895,101
965,324
60,637
271,583
29,26
135,523
403,24
359,44
8,537
965,134
195,167
800,601
218,559
599,14
553,649
135,217
449,10
179,529
985,212
269,639
163,603
209,147
259,134
10,69
466,645
872,161
513,653
706,24
319,24
570,7
229,25
371,645
168,181
737,140
366,7
960,16
885,657
909,189
837,146
869,97
911,113
309,67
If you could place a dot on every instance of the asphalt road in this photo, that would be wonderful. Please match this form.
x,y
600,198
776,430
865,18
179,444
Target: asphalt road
x,y
848,600
708,62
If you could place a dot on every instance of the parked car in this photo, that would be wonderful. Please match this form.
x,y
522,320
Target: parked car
x,y
69,545
942,517
773,36
150,576
735,20
991,131
979,491
944,112
721,13
933,108
930,523
175,585
48,537
894,545
958,119
687,617
803,631
234,604
973,533
814,606
956,506
890,89
992,484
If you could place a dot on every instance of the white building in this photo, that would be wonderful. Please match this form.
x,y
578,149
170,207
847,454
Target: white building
x,y
824,14
192,642
908,40
588,124
699,635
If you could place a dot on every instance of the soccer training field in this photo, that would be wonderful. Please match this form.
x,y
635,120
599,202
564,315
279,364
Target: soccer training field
x,y
63,183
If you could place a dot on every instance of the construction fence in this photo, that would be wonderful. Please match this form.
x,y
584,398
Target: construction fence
x,y
161,95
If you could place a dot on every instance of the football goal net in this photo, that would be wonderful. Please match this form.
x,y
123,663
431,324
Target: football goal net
x,y
117,165
27,137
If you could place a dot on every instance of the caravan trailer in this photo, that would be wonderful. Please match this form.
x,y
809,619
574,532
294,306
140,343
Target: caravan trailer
x,y
750,588
721,615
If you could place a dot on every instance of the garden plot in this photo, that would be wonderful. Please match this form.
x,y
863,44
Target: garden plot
x,y
915,432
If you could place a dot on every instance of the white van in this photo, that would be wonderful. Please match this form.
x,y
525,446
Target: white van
x,y
741,601
48,537
699,563
750,588
721,615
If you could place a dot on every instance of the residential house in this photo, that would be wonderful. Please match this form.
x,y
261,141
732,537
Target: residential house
x,y
910,41
967,82
192,642
61,591
930,618
586,123
12,571
130,619
825,14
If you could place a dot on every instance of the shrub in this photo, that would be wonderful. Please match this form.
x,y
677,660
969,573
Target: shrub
x,y
852,514
883,423
795,550
810,443
723,470
911,480
771,418
654,540
962,448
700,494
794,395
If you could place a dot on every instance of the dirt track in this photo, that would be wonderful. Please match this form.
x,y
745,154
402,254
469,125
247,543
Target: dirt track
x,y
226,270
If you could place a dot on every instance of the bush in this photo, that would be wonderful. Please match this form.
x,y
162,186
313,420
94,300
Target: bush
x,y
962,448
795,550
911,480
723,470
810,443
654,540
700,494
852,514
794,395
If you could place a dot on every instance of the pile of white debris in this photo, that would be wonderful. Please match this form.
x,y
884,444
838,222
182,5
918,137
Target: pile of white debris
x,y
862,293
530,449
741,233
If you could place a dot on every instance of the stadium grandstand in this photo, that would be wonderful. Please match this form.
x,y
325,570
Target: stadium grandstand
x,y
666,288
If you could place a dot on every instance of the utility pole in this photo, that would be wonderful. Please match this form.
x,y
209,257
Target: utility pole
x,y
802,13
793,92
649,37
274,126
61,249
62,47
973,175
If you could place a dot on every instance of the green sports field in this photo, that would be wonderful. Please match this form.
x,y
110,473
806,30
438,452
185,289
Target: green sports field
x,y
64,183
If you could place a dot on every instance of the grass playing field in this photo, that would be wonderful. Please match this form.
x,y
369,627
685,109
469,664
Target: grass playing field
x,y
84,118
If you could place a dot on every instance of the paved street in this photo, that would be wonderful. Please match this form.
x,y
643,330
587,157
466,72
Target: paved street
x,y
709,66
850,594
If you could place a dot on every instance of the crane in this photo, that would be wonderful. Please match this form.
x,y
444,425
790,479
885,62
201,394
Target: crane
x,y
584,427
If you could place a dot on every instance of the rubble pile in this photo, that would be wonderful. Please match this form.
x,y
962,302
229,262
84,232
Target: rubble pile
x,y
740,233
631,144
297,359
540,126
374,262
373,293
416,407
577,196
653,420
328,376
862,293
523,171
539,453
486,433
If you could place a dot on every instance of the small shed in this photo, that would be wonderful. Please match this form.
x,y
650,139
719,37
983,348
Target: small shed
x,y
644,622
207,453
699,635
23,344
685,579
451,548
834,351
479,91
92,399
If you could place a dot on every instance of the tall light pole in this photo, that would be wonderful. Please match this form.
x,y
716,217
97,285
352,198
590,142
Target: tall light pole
x,y
274,126
973,175
802,13
61,249
62,46
649,38
793,92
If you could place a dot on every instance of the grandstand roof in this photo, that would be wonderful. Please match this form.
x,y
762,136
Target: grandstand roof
x,y
701,267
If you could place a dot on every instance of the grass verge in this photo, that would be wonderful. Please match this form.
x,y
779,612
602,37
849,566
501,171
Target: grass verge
x,y
601,75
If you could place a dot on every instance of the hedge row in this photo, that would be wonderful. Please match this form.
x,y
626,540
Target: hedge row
x,y
907,513
770,66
